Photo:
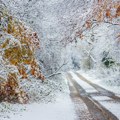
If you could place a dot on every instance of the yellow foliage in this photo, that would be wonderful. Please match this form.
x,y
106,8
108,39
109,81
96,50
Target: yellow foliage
x,y
19,51
118,11
10,90
5,43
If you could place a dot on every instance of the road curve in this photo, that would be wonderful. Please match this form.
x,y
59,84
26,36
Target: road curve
x,y
94,111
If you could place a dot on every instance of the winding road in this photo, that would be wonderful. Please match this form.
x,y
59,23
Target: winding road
x,y
88,108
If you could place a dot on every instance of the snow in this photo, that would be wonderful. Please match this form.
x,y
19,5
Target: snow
x,y
54,21
101,98
93,77
107,102
48,101
60,110
86,86
110,104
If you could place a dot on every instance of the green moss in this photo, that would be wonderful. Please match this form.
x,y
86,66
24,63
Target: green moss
x,y
108,62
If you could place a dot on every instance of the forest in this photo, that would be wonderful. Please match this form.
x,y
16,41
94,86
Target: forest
x,y
49,46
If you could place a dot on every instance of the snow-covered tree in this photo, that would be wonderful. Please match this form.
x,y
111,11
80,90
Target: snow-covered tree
x,y
18,44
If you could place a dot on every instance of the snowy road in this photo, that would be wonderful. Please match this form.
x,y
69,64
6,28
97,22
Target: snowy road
x,y
81,100
81,109
101,90
101,103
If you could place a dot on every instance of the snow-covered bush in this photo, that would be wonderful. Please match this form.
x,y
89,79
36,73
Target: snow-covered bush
x,y
18,44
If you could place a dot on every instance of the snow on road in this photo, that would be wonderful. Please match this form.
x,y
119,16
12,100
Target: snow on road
x,y
86,86
101,82
109,103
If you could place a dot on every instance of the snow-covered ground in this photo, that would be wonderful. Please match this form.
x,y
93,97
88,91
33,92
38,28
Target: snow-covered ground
x,y
109,103
53,103
104,81
86,86
62,109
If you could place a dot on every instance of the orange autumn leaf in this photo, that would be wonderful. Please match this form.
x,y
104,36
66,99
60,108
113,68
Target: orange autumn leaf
x,y
32,71
24,76
118,12
40,76
88,24
108,13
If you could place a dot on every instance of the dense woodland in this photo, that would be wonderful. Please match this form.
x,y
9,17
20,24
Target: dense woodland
x,y
75,35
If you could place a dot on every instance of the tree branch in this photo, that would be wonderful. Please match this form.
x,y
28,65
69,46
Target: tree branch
x,y
56,72
53,74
